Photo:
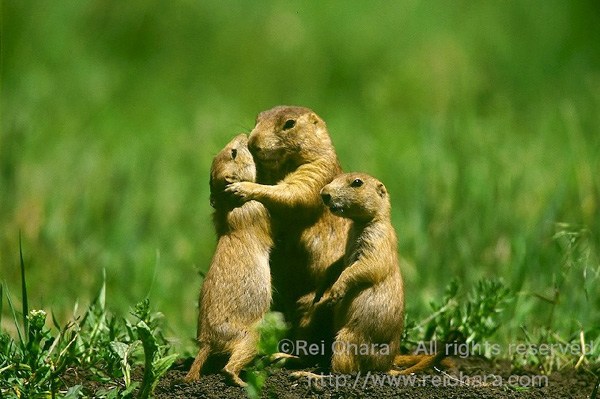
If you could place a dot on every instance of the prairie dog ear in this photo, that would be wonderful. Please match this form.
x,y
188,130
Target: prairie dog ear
x,y
381,190
314,118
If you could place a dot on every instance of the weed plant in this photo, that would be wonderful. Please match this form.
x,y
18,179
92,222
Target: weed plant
x,y
99,346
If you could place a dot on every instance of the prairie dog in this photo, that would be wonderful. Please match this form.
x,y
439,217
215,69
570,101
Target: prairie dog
x,y
236,292
295,158
368,294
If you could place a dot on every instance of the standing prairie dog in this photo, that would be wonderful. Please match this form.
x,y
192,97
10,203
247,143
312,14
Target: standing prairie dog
x,y
295,159
236,292
368,294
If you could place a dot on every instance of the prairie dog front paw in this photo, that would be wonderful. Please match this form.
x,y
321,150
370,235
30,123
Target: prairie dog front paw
x,y
242,190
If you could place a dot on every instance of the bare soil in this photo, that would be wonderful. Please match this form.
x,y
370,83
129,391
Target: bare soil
x,y
471,378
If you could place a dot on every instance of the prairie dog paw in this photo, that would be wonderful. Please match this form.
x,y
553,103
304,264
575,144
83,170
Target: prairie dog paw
x,y
336,294
333,296
242,190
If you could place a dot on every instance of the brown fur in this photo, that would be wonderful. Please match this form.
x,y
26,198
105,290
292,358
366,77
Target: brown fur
x,y
295,159
368,294
236,292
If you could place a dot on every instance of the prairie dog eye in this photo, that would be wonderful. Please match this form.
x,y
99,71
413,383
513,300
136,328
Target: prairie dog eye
x,y
233,153
290,123
356,183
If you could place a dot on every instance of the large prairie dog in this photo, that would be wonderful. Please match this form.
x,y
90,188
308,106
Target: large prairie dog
x,y
236,292
295,159
368,294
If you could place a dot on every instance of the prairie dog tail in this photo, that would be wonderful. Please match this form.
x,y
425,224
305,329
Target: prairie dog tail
x,y
419,363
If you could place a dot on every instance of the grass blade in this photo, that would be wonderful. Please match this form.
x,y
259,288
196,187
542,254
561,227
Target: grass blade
x,y
102,293
1,308
24,290
14,314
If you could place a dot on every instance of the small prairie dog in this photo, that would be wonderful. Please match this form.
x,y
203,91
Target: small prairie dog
x,y
236,292
295,158
368,294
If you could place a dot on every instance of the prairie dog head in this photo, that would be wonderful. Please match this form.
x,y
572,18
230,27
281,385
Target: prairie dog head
x,y
233,163
286,135
356,196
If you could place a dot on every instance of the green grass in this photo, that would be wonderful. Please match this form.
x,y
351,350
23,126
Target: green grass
x,y
481,119
99,346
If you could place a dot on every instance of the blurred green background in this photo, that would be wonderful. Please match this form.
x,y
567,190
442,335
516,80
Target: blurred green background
x,y
481,117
